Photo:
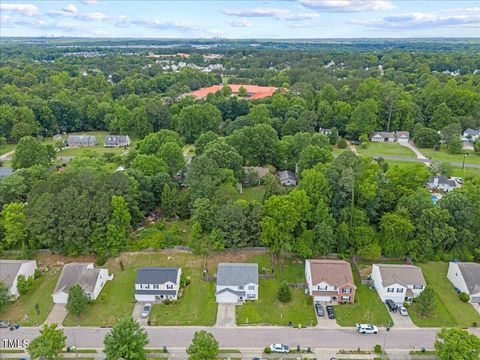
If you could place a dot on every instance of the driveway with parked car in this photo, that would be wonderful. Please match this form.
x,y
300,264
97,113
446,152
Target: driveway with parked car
x,y
325,316
401,318
139,313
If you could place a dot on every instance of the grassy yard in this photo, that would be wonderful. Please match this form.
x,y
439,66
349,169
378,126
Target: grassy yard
x,y
253,194
7,148
379,149
443,155
368,308
269,310
23,311
450,311
117,298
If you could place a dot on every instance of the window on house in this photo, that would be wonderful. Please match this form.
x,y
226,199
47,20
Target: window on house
x,y
417,287
251,287
170,287
400,290
322,287
240,287
345,298
146,286
390,290
346,290
156,286
251,296
335,288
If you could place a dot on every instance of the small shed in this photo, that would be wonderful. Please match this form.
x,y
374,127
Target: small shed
x,y
287,178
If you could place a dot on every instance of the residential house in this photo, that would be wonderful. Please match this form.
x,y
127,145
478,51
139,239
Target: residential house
x,y
441,182
472,134
236,282
157,283
117,141
399,283
402,136
91,280
5,171
325,131
330,281
466,277
10,270
382,136
81,140
287,178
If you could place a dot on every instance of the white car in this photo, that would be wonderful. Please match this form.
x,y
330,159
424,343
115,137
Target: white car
x,y
367,329
146,310
403,311
279,348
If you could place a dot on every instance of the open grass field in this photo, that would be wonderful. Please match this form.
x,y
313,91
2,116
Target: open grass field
x,y
23,312
450,311
443,155
368,308
7,148
254,193
379,149
268,310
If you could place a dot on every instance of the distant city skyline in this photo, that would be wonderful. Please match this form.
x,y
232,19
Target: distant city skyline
x,y
241,19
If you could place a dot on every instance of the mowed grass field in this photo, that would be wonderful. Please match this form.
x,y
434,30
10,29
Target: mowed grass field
x,y
23,311
379,149
450,310
443,155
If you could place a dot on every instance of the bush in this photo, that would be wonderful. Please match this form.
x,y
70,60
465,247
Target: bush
x,y
284,293
23,284
37,273
267,350
406,305
363,145
167,301
464,297
309,300
474,324
101,260
342,143
377,349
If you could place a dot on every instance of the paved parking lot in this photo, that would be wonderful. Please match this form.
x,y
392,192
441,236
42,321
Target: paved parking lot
x,y
226,315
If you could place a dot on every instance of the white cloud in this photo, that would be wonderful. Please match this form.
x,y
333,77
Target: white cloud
x,y
348,5
89,2
418,20
239,23
24,9
72,9
279,14
159,24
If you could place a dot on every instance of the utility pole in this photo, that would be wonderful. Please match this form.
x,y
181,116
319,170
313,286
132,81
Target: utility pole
x,y
464,156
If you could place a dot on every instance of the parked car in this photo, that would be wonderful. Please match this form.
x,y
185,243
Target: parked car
x,y
392,307
330,312
403,311
319,310
279,348
367,329
146,310
5,324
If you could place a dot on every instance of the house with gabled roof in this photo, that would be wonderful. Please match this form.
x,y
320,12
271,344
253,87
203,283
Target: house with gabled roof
x,y
441,182
398,283
382,136
117,141
466,277
91,280
10,270
330,281
236,282
287,178
155,284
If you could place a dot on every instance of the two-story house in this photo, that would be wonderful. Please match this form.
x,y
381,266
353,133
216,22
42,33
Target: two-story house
x,y
236,282
466,277
398,283
330,281
157,283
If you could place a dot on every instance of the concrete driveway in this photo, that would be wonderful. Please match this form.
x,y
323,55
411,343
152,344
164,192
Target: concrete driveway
x,y
137,313
401,321
226,315
57,315
323,322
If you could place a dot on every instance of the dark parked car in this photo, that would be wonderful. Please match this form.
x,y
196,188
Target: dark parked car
x,y
330,312
392,307
319,310
4,324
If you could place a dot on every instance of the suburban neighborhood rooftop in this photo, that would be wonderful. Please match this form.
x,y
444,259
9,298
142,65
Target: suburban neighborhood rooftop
x,y
471,275
333,272
401,274
229,274
9,270
157,275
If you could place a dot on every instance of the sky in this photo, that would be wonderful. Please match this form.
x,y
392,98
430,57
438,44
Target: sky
x,y
241,19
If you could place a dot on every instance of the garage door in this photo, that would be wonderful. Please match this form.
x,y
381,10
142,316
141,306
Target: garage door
x,y
227,298
321,298
475,299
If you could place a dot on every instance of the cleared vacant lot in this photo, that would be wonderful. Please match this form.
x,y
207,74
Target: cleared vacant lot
x,y
379,149
449,311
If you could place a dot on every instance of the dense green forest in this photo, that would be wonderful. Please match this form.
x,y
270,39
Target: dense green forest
x,y
344,203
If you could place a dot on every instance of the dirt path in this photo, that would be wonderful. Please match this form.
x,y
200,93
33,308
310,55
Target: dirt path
x,y
7,156
353,148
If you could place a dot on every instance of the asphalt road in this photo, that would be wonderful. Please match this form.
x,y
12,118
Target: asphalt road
x,y
251,337
425,161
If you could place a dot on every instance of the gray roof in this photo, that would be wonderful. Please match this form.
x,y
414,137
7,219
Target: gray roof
x,y
471,275
77,273
441,180
401,274
9,270
237,274
238,293
472,132
156,292
116,139
403,133
383,134
5,170
156,275
286,174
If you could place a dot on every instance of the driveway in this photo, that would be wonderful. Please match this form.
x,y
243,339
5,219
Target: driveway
x,y
401,321
226,315
323,322
57,315
412,147
137,313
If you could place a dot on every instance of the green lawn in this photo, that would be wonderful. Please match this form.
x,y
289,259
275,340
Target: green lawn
x,y
269,310
379,149
450,311
253,194
443,155
7,148
23,311
368,308
117,298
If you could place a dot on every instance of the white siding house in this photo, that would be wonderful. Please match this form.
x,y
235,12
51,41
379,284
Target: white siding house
x,y
236,282
399,283
466,277
155,284
10,270
91,279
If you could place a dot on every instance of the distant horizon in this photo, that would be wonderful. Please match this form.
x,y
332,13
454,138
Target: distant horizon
x,y
235,39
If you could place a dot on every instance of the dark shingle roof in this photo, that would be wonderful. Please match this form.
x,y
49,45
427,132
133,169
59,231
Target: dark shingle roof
x,y
155,292
471,276
238,293
83,274
156,275
286,174
237,274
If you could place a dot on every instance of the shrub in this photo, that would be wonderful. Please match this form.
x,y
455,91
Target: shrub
x,y
37,273
363,145
23,284
342,143
267,350
474,324
167,301
77,300
101,259
377,349
309,300
406,305
464,297
284,293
